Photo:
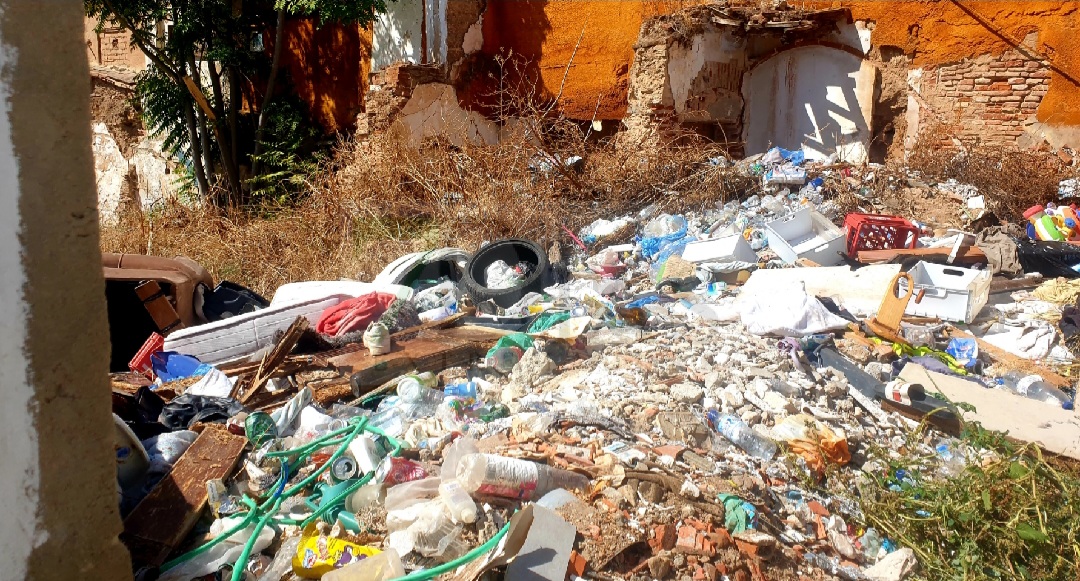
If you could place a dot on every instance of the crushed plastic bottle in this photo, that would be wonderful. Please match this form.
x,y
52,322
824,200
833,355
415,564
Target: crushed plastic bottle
x,y
871,542
417,390
513,478
282,562
952,457
426,530
1033,386
504,359
464,389
740,434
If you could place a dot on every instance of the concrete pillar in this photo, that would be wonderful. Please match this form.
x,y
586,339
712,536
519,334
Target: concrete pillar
x,y
58,502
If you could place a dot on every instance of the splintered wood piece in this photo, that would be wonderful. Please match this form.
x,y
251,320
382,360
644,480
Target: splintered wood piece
x,y
165,517
276,356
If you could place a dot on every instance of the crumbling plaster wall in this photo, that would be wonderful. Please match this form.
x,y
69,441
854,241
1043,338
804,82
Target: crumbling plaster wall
x,y
130,168
583,52
750,90
59,519
589,44
926,34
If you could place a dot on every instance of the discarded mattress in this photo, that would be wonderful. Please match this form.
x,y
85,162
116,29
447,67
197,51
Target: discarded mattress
x,y
243,335
297,292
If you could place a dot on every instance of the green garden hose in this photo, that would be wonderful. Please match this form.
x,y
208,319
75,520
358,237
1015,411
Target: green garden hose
x,y
265,513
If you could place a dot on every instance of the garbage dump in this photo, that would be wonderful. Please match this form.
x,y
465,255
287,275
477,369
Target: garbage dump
x,y
696,396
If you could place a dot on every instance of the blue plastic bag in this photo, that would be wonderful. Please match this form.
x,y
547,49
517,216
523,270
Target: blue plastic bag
x,y
170,366
964,351
652,246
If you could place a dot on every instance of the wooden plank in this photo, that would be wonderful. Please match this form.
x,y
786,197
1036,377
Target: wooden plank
x,y
165,517
1010,361
200,98
429,351
967,255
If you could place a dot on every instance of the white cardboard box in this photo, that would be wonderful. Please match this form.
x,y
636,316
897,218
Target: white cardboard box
x,y
806,234
732,248
948,292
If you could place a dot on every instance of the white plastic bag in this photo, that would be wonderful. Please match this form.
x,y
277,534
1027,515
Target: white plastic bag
x,y
225,552
500,275
786,312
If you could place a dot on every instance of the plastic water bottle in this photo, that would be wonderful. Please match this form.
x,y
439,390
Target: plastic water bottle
x,y
1033,386
382,567
740,434
512,478
458,502
417,390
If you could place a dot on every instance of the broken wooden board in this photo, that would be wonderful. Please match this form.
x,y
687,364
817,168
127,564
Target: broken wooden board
x,y
273,360
430,350
1009,361
967,254
165,517
1027,420
886,323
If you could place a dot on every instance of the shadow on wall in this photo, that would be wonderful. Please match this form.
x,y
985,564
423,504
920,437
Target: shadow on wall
x,y
815,97
328,65
514,32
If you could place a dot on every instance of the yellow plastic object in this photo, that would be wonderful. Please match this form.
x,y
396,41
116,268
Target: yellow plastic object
x,y
319,554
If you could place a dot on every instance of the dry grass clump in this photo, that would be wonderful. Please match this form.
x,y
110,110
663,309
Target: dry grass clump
x,y
1011,178
383,198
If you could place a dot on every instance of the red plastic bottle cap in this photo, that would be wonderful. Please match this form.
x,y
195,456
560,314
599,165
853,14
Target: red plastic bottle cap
x,y
1032,211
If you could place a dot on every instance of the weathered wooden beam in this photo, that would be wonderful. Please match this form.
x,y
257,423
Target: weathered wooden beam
x,y
165,517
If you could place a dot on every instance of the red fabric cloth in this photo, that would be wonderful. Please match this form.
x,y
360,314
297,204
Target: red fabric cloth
x,y
353,314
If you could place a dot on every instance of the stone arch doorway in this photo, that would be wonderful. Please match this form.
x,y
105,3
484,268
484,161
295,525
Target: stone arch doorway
x,y
816,97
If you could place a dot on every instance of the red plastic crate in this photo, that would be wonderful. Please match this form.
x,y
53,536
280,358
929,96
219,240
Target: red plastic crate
x,y
141,362
878,232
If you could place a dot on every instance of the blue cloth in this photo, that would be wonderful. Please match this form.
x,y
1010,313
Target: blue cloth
x,y
795,157
170,366
650,247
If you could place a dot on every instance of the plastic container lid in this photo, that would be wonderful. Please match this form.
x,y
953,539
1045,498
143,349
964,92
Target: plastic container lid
x,y
1032,211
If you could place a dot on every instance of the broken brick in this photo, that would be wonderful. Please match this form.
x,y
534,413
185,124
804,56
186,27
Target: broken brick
x,y
663,538
687,538
817,508
577,565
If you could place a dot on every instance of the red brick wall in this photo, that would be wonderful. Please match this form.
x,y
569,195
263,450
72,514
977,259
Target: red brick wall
x,y
991,99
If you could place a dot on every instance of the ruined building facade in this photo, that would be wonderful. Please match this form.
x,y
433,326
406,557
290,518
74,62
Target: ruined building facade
x,y
861,78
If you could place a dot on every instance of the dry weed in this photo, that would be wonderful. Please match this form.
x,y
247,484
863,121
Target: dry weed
x,y
1011,178
381,198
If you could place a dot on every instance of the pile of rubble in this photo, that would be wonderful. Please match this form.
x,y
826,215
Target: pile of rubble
x,y
683,397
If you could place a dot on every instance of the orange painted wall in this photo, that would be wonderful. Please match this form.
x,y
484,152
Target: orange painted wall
x,y
933,32
328,67
546,33
946,31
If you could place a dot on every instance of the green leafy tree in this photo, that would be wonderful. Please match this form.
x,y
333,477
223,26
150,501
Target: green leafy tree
x,y
204,53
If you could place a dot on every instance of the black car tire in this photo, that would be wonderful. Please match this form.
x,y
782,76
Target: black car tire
x,y
510,251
